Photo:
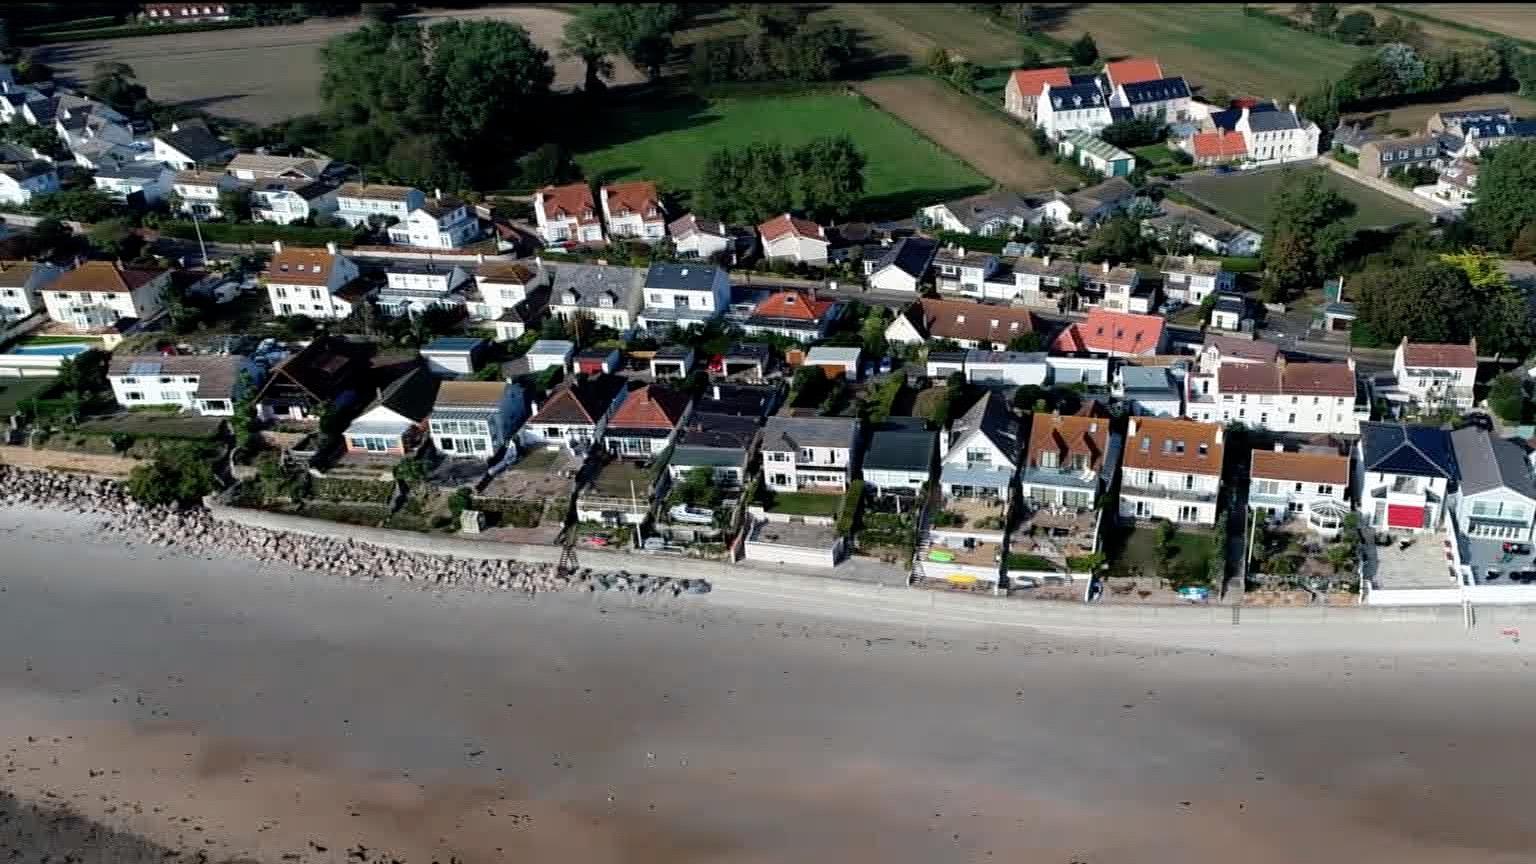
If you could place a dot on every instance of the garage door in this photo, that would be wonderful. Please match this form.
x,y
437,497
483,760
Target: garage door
x,y
1403,516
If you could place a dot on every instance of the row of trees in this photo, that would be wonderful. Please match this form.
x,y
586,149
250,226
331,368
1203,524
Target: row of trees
x,y
1398,71
778,46
1358,27
639,32
1449,298
822,179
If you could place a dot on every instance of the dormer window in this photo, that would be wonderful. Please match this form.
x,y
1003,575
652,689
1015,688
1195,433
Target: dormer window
x,y
570,298
1204,449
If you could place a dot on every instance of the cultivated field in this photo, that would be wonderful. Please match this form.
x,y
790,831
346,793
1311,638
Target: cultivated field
x,y
265,74
1214,46
1246,197
913,30
1413,117
1439,34
669,142
992,143
1511,19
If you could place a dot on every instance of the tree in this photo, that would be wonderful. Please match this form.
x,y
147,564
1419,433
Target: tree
x,y
1306,236
1523,70
938,61
50,237
641,32
1085,52
1506,396
1120,239
1357,28
1324,15
1428,303
42,138
75,205
179,474
580,42
1029,55
382,13
112,237
84,374
1504,204
235,204
114,84
1406,65
829,174
1524,246
872,331
1134,133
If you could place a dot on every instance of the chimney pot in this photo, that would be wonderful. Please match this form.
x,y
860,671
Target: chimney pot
x,y
1279,447
330,246
277,246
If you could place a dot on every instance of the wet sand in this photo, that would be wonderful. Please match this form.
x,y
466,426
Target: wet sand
x,y
250,712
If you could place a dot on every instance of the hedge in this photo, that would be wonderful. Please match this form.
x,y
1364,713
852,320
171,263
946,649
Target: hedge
x,y
850,508
96,23
257,232
336,489
130,30
1240,264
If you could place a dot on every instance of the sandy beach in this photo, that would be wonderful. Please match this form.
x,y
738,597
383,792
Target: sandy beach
x,y
250,712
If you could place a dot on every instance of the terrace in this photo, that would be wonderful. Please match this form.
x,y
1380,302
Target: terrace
x,y
1057,533
1411,562
619,491
530,499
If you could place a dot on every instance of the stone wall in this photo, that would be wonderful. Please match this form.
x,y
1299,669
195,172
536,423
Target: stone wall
x,y
95,464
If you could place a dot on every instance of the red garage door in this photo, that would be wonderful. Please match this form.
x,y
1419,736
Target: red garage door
x,y
1402,516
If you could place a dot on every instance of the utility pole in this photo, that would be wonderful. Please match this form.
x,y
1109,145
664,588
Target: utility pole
x,y
197,229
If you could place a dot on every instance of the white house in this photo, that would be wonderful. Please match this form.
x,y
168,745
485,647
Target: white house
x,y
697,237
991,214
723,443
190,144
199,191
576,414
899,459
1305,398
1494,503
1064,464
98,294
259,166
547,353
317,283
283,201
1230,312
1185,227
91,123
1405,474
633,211
903,267
415,286
453,356
396,422
208,384
972,325
1272,135
1025,86
504,288
802,453
980,456
1172,470
1112,334
1151,391
683,295
609,296
1456,185
786,238
475,419
1061,109
146,183
374,203
567,214
440,223
1163,99
1006,368
1188,279
836,360
1434,375
1309,486
1116,288
21,286
19,182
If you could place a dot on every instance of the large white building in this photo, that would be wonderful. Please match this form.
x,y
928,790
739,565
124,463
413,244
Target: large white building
x,y
633,211
19,182
801,453
207,384
475,419
1306,398
317,283
1272,134
21,285
440,223
608,296
567,214
1172,470
139,183
372,203
198,192
99,294
1312,487
683,295
415,286
283,201
1061,109
1434,375
1405,474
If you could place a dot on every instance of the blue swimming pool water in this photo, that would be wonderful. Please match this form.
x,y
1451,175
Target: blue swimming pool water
x,y
69,350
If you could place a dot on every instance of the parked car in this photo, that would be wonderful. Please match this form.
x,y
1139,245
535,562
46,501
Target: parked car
x,y
691,515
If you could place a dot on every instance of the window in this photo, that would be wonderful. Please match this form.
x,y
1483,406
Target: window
x,y
1325,488
982,454
807,454
1189,481
134,396
1049,459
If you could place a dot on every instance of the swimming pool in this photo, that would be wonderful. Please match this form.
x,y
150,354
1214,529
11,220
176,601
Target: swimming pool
x,y
68,350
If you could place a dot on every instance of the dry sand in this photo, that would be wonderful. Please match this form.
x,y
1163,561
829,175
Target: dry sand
x,y
265,74
255,713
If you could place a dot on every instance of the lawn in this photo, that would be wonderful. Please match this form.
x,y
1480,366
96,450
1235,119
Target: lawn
x,y
669,142
1517,20
805,504
1154,156
1128,549
911,30
1214,46
1017,561
1246,198
91,341
14,391
153,425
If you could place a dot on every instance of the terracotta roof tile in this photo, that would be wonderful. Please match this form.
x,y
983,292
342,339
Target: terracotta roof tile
x,y
471,393
779,226
1133,69
1220,145
1295,379
506,271
299,266
571,201
1440,354
103,276
957,319
793,305
1112,332
651,407
1030,81
1166,444
639,196
1303,467
1069,436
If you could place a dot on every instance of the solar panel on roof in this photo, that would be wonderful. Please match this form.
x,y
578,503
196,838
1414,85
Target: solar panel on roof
x,y
144,367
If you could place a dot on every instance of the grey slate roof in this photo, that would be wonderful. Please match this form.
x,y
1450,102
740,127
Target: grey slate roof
x,y
990,415
977,210
589,282
1076,97
1148,382
1161,90
900,450
132,171
911,255
793,433
1398,448
1486,462
196,142
681,277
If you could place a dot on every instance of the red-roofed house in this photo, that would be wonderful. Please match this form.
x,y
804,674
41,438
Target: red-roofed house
x,y
644,425
796,314
1133,70
1213,148
1026,85
1435,374
1114,334
786,238
1309,398
567,214
633,210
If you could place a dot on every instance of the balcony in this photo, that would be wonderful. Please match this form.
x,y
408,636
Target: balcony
x,y
1168,492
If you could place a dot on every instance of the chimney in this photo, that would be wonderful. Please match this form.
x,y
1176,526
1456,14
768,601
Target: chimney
x,y
1279,446
1292,107
1046,259
1106,266
437,194
962,251
277,246
1473,345
717,391
1244,119
330,247
538,261
479,257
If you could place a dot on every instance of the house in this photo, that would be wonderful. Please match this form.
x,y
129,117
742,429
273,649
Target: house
x,y
904,266
633,211
99,294
567,214
1217,147
1455,122
943,364
1435,375
1183,227
982,451
836,361
1025,86
1006,368
1219,350
723,443
1166,100
441,222
20,181
1062,108
452,356
475,419
190,144
1117,288
739,400
396,423
1067,462
751,360
1307,398
1100,201
972,325
1337,314
1457,184
1350,137
683,295
1116,334
503,288
1494,503
1478,137
1095,154
1172,470
645,424
412,287
547,353
1380,158
318,283
199,191
186,13
139,184
959,271
1131,70
1151,391
698,237
1230,313
1087,371
899,459
1038,282
324,375
1271,135
787,238
259,166
998,213
21,287
89,156
672,361
794,314
1190,280
283,201
1406,474
801,453
609,296
596,361
375,204
208,384
575,415
1310,486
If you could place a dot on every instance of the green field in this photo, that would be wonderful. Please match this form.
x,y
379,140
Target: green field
x,y
669,143
1246,198
14,391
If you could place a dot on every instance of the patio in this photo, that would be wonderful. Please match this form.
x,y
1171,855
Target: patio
x,y
975,514
1423,563
1057,533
